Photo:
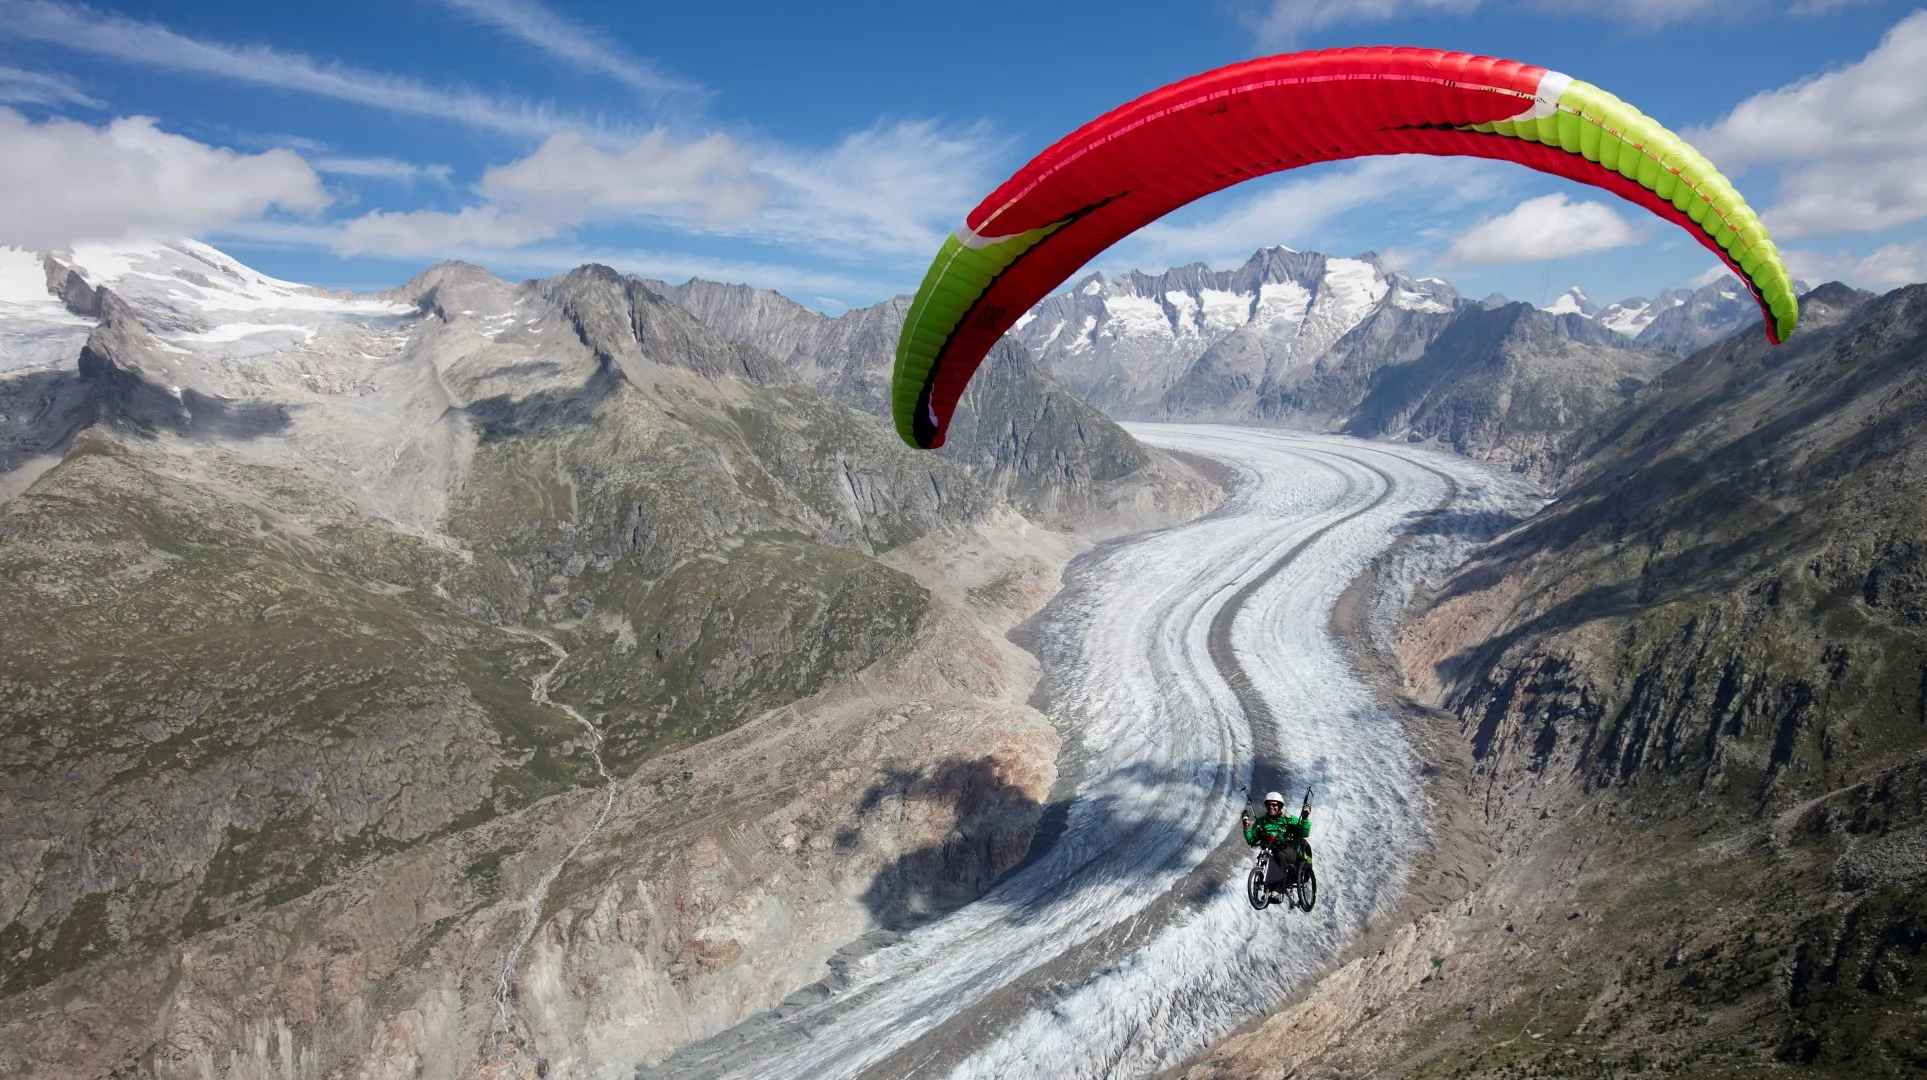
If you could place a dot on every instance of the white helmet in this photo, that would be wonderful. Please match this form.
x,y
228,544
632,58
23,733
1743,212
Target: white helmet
x,y
1272,796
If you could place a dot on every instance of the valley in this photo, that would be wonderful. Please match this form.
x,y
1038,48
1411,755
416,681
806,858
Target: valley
x,y
1125,943
577,677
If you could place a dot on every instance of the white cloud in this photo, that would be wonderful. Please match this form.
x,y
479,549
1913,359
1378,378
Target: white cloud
x,y
569,182
151,45
67,182
1850,196
1852,142
1548,227
1279,24
435,233
1892,266
1709,275
1825,7
707,178
1283,22
893,190
557,36
382,168
1886,268
1864,108
890,191
1646,14
1292,211
34,88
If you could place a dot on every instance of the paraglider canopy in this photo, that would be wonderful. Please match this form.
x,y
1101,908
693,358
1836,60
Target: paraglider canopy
x,y
1179,143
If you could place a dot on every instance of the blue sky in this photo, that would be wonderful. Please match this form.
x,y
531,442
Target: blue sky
x,y
824,149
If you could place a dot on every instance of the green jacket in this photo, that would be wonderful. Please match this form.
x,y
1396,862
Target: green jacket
x,y
1281,826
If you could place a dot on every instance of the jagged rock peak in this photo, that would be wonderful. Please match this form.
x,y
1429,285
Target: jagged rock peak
x,y
1835,294
625,321
1573,301
73,291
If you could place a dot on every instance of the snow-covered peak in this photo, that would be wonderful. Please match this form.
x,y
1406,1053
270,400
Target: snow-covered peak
x,y
196,297
1353,286
1627,317
1573,301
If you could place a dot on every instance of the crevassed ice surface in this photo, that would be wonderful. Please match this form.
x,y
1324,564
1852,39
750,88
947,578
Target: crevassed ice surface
x,y
1164,746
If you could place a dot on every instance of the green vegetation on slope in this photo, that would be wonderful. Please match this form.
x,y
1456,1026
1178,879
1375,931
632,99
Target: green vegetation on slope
x,y
1710,691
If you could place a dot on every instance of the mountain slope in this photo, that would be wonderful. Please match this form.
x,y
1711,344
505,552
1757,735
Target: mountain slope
x,y
1017,430
580,494
349,659
1508,385
1693,696
1698,319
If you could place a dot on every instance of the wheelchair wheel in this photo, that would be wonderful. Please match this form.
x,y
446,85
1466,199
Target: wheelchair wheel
x,y
1307,891
1255,890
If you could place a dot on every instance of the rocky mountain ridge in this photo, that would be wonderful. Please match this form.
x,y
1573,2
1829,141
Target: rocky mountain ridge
x,y
1017,429
1511,385
1303,339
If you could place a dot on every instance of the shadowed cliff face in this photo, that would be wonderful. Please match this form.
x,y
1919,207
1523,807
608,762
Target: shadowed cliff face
x,y
985,814
1694,695
1508,385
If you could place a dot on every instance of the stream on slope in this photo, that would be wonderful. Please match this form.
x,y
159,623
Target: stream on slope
x,y
1174,661
504,997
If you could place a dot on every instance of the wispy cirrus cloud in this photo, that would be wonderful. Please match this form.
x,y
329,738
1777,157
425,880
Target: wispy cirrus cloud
x,y
892,189
1825,7
881,196
19,87
382,168
151,45
537,25
569,182
891,192
1280,24
1297,210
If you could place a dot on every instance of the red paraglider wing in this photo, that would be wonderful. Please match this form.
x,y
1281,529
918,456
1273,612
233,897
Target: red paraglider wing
x,y
1179,143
